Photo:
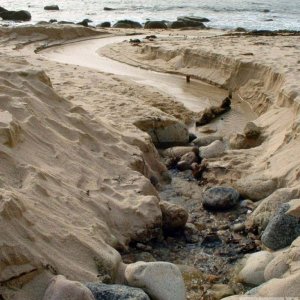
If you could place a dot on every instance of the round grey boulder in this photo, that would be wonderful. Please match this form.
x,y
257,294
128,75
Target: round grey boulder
x,y
155,25
282,229
220,198
127,24
103,291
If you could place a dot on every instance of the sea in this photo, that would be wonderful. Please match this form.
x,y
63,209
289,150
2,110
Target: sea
x,y
223,14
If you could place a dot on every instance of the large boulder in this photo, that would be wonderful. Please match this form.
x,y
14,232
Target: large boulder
x,y
174,217
252,272
220,198
103,291
21,15
127,24
155,25
61,288
104,25
282,230
160,280
277,266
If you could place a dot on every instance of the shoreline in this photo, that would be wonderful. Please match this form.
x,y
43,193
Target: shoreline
x,y
78,89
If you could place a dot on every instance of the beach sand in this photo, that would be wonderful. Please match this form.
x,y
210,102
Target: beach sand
x,y
76,166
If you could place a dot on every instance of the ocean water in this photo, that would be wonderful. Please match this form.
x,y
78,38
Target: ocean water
x,y
225,14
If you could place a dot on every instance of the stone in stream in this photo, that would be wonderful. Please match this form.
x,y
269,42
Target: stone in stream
x,y
220,198
282,229
160,280
215,149
174,217
186,160
104,25
61,288
116,292
205,140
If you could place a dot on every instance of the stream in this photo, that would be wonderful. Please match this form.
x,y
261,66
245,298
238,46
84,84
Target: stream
x,y
215,247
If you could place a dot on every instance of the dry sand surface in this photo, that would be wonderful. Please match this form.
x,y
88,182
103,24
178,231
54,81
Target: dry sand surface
x,y
75,169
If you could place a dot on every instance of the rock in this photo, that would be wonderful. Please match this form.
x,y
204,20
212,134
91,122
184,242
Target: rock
x,y
192,137
155,25
282,229
183,166
65,22
164,131
61,288
127,24
193,19
21,15
220,198
240,141
191,233
206,140
51,7
176,152
189,158
240,29
84,22
104,25
255,188
108,8
215,149
284,287
267,208
52,21
238,227
294,209
251,130
160,280
253,271
187,23
219,291
277,266
174,217
116,292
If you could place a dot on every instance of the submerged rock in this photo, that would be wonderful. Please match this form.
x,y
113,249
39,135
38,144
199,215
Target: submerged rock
x,y
282,230
187,23
104,25
61,288
160,280
220,198
116,292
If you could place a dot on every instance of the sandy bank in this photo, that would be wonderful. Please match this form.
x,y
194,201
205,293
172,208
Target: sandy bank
x,y
75,182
